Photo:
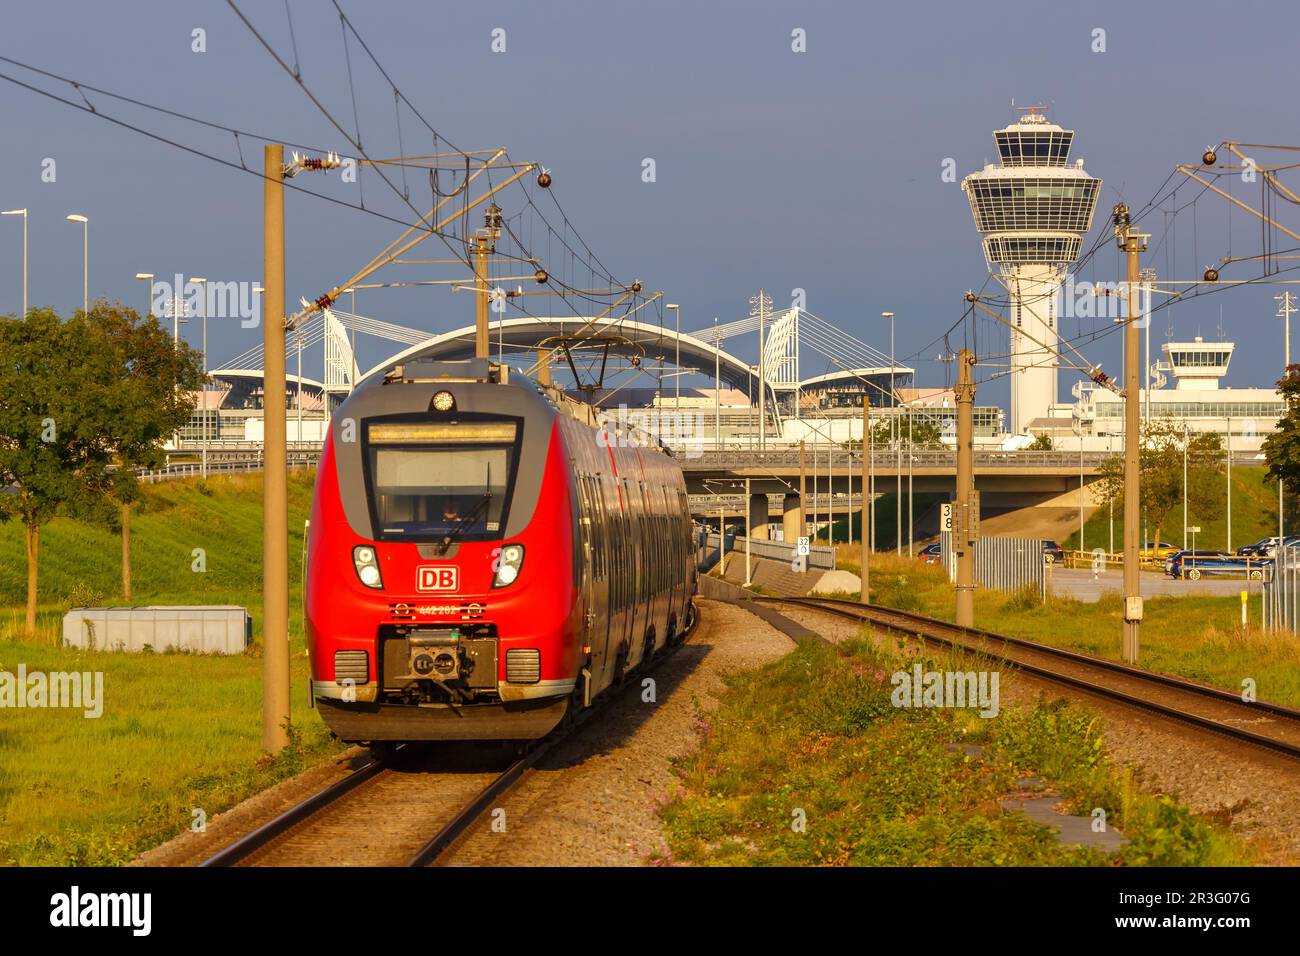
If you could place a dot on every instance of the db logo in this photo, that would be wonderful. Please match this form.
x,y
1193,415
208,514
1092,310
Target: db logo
x,y
443,577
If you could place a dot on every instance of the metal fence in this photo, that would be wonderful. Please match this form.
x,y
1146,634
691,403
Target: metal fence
x,y
819,556
1281,590
1002,563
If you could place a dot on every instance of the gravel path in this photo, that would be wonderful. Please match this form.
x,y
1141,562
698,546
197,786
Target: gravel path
x,y
594,801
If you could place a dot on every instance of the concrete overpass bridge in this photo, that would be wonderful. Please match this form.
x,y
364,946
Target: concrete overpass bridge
x,y
776,471
1006,480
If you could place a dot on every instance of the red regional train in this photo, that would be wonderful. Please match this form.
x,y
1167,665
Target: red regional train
x,y
483,560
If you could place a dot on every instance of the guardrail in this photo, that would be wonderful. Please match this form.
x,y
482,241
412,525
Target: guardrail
x,y
194,469
1098,559
888,458
819,556
1102,560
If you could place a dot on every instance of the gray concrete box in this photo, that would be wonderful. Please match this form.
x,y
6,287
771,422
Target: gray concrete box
x,y
197,629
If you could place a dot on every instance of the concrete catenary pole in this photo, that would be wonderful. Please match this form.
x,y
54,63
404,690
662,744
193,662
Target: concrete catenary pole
x,y
1132,243
749,535
803,484
275,520
964,536
848,481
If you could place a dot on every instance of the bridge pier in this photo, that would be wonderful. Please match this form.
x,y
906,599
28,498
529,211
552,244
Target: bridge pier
x,y
792,518
758,517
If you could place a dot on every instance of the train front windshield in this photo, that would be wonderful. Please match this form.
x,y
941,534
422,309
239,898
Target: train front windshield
x,y
429,480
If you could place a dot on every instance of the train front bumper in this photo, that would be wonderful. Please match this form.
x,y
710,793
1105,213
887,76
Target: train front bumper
x,y
365,721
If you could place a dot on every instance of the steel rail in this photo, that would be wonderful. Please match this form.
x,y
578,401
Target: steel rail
x,y
467,815
464,818
925,627
262,836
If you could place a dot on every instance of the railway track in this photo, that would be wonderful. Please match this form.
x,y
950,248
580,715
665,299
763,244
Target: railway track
x,y
383,812
1273,727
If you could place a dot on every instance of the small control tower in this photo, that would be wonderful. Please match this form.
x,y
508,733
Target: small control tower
x,y
1032,208
1198,365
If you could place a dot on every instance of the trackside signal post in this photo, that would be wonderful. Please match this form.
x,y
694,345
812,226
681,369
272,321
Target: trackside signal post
x,y
966,515
1131,243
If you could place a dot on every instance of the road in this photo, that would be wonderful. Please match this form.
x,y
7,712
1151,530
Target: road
x,y
1082,585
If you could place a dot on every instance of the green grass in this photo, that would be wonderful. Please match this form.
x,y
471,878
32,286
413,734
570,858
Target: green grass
x,y
815,737
179,731
1254,516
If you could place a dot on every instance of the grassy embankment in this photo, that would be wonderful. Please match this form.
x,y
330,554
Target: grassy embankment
x,y
178,731
874,784
1195,637
1254,516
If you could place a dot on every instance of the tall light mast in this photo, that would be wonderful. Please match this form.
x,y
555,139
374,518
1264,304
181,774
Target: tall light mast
x,y
1032,209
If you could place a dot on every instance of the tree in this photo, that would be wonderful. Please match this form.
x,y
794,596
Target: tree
x,y
1161,468
87,401
1041,443
1282,447
143,392
925,433
50,453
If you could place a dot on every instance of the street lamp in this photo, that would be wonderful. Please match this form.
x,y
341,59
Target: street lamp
x,y
677,399
23,213
893,431
717,388
1185,443
203,299
148,278
85,259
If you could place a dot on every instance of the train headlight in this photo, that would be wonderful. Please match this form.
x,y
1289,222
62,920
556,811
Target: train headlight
x,y
443,401
509,563
367,565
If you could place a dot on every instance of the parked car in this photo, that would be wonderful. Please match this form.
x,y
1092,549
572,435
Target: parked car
x,y
1158,549
1192,565
1270,550
929,554
1261,546
1174,563
1053,553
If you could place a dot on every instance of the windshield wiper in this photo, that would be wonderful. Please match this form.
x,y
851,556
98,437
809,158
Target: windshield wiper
x,y
460,525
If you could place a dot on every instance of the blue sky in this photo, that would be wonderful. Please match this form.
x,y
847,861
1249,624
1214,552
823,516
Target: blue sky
x,y
818,170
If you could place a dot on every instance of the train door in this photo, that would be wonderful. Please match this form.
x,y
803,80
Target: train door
x,y
595,578
633,622
615,564
661,578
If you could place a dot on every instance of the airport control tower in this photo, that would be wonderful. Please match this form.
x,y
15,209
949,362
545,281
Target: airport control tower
x,y
1032,209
